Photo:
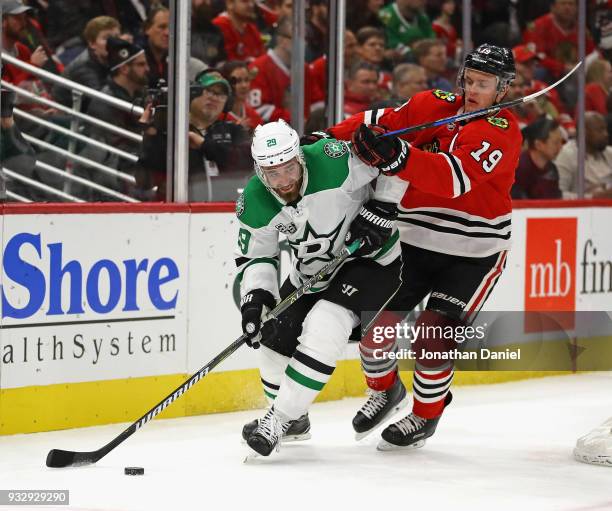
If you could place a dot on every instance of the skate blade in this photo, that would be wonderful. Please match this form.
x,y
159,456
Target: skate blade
x,y
383,445
605,461
288,439
250,457
403,403
296,438
254,455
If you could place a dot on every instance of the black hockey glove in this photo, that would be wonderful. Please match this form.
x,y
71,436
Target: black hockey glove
x,y
373,225
254,306
8,102
313,137
388,154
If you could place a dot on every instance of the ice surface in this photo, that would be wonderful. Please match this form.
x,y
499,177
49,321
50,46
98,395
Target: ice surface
x,y
498,447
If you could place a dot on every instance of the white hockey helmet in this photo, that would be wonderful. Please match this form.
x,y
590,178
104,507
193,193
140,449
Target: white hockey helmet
x,y
273,144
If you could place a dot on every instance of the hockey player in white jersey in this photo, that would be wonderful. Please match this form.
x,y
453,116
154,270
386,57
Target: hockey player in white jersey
x,y
319,197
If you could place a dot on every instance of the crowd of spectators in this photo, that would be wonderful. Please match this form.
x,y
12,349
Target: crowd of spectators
x,y
241,57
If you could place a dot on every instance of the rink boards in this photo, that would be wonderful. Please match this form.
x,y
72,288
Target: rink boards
x,y
107,308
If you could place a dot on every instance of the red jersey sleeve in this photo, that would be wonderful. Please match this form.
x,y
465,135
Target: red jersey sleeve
x,y
482,150
408,114
390,118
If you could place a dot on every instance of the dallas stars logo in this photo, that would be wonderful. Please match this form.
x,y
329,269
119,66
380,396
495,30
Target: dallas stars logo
x,y
312,246
335,149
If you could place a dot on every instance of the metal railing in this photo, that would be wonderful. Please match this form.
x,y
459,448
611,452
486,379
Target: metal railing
x,y
74,135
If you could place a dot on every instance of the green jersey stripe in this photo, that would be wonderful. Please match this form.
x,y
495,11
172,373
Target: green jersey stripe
x,y
388,246
258,260
269,394
303,380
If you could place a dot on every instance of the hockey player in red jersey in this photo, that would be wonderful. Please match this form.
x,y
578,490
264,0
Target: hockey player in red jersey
x,y
455,228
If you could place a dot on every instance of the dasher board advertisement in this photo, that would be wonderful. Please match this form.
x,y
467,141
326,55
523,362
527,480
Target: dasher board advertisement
x,y
88,297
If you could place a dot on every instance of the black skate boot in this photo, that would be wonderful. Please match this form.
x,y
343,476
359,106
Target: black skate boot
x,y
267,435
410,432
380,405
297,430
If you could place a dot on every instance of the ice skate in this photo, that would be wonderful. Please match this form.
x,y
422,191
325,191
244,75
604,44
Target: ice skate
x,y
596,446
293,431
380,406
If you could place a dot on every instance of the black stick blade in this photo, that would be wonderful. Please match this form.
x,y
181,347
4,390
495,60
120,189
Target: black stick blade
x,y
58,458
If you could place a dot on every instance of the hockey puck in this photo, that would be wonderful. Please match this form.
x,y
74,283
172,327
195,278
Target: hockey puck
x,y
133,471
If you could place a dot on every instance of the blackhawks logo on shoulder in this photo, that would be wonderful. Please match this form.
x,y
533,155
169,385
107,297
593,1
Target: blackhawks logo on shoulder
x,y
500,122
444,95
335,149
240,205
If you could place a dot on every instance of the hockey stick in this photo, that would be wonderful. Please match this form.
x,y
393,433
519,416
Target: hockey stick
x,y
58,458
478,113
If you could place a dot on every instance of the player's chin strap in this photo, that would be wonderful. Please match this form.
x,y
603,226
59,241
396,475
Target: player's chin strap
x,y
482,112
59,458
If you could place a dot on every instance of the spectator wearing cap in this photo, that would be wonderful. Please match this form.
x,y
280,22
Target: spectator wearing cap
x,y
157,30
238,110
361,88
129,78
555,35
316,30
526,60
90,67
537,176
430,54
242,38
219,157
598,83
405,23
13,30
270,94
597,165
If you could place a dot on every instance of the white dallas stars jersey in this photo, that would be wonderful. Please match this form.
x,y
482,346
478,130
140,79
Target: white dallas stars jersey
x,y
335,187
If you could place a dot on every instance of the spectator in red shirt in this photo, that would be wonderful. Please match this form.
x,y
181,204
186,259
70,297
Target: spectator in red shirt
x,y
444,29
555,35
270,94
242,37
537,176
361,88
550,104
599,81
237,73
318,67
13,28
526,60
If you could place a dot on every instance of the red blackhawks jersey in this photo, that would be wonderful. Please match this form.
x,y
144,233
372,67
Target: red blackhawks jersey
x,y
270,94
245,45
458,201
